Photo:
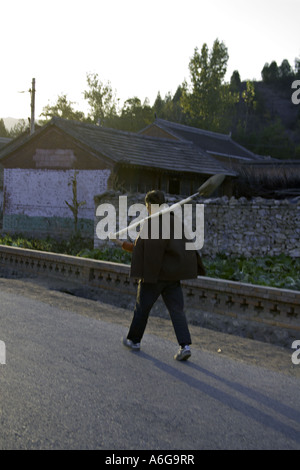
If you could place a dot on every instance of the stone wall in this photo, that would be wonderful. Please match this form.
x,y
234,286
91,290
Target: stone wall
x,y
252,228
256,227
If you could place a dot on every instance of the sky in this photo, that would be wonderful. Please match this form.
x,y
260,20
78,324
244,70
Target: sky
x,y
140,47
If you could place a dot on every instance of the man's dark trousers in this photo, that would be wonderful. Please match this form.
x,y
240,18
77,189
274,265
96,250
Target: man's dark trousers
x,y
172,295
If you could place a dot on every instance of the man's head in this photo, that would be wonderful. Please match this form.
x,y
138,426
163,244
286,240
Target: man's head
x,y
154,197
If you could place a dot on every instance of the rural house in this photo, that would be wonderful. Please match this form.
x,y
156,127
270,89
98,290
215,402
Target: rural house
x,y
40,169
256,174
219,146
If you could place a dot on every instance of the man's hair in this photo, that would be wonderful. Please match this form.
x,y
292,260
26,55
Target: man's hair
x,y
155,197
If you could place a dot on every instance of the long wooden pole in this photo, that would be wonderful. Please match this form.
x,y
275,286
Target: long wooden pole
x,y
206,189
32,91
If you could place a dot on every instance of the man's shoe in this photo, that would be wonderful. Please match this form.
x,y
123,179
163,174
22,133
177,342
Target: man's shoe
x,y
129,344
183,353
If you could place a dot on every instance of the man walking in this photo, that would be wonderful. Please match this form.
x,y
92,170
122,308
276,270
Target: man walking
x,y
160,264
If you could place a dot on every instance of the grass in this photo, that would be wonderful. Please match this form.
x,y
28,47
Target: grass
x,y
276,271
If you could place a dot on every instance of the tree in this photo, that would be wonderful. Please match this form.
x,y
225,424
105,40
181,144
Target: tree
x,y
207,100
195,102
297,67
270,73
158,105
285,70
273,141
170,107
235,81
248,96
3,131
101,99
19,129
135,115
63,108
75,206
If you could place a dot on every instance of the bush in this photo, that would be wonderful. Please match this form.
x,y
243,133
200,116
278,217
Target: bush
x,y
72,246
275,271
115,255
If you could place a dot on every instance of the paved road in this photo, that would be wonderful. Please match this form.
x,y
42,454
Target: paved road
x,y
68,383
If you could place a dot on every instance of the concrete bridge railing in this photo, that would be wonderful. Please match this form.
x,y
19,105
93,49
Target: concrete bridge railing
x,y
257,312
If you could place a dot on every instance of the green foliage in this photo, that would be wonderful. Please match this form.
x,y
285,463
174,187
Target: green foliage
x,y
3,131
208,100
29,243
71,246
269,138
235,81
280,76
135,115
18,129
101,99
276,271
113,254
270,73
170,107
63,109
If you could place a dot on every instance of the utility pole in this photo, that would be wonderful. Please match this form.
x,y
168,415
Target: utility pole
x,y
32,92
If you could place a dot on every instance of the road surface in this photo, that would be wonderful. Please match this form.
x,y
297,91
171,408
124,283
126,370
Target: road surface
x,y
68,383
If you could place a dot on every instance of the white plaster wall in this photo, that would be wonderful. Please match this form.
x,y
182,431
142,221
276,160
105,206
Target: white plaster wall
x,y
43,192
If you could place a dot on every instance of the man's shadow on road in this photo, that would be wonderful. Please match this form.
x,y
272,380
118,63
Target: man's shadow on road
x,y
181,372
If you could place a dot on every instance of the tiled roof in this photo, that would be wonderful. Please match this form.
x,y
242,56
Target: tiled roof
x,y
133,149
211,142
14,144
4,141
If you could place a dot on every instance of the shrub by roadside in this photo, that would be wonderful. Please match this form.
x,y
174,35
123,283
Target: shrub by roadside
x,y
275,271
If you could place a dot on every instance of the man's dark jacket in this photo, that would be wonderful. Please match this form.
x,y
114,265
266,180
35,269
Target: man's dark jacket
x,y
164,259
